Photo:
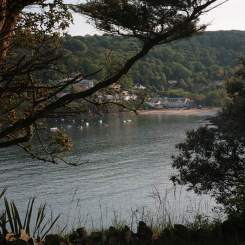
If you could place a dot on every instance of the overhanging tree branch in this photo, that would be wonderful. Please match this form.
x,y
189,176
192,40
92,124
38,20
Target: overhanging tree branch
x,y
154,23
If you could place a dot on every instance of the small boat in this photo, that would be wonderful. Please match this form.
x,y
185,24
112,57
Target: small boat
x,y
53,130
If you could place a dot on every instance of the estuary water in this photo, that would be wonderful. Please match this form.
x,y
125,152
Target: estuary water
x,y
125,160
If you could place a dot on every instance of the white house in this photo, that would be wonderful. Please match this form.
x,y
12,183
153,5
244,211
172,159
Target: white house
x,y
139,86
83,85
169,102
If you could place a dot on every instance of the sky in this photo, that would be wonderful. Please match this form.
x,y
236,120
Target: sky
x,y
229,16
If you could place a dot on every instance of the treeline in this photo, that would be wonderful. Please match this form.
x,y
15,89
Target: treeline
x,y
194,67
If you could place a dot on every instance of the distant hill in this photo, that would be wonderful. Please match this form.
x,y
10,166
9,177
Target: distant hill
x,y
191,67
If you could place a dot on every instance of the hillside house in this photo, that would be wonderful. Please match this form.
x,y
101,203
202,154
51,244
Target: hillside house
x,y
83,85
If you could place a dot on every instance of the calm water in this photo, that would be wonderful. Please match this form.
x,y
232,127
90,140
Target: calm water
x,y
121,166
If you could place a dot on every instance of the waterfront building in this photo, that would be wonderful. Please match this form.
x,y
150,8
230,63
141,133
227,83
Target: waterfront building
x,y
170,102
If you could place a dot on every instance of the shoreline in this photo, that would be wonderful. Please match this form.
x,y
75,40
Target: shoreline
x,y
181,112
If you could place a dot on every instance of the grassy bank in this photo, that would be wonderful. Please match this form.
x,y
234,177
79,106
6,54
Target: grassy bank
x,y
230,232
39,227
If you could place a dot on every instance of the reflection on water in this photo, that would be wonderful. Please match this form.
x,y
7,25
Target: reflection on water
x,y
121,165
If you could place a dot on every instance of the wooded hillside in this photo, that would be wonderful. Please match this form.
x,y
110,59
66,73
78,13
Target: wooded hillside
x,y
192,67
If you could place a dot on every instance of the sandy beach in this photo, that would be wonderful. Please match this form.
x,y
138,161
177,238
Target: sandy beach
x,y
184,112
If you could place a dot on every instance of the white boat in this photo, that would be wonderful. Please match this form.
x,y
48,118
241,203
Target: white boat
x,y
53,130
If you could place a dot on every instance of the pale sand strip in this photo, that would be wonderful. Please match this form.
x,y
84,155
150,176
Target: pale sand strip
x,y
189,112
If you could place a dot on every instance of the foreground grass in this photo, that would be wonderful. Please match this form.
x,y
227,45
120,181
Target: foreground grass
x,y
36,227
230,232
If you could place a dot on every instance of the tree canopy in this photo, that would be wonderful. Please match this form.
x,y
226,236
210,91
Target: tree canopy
x,y
192,67
211,160
27,98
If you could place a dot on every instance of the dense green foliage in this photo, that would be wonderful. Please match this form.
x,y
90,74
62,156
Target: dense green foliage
x,y
212,158
198,64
